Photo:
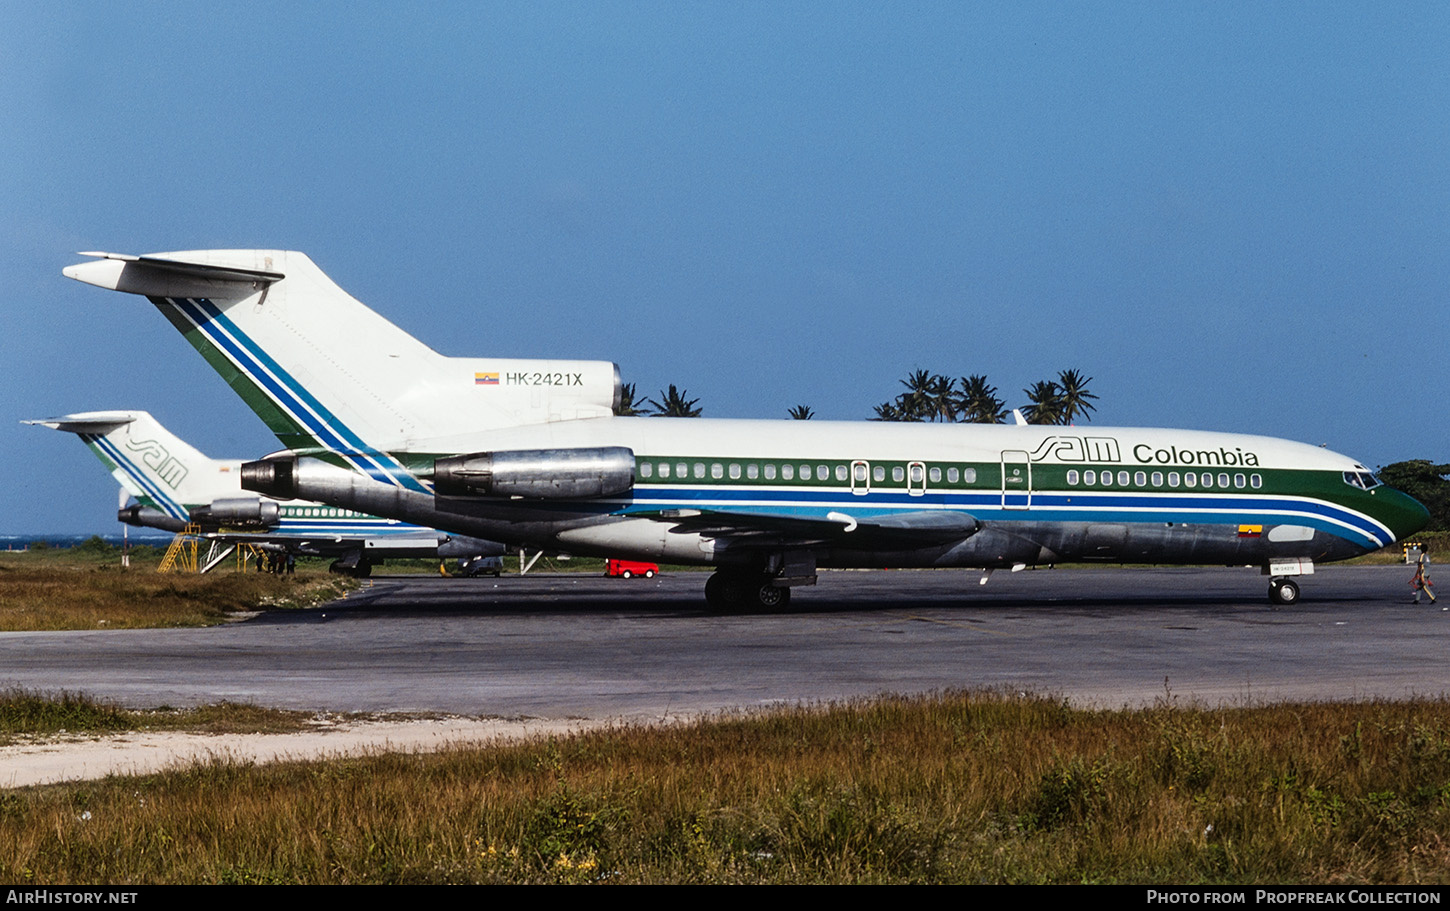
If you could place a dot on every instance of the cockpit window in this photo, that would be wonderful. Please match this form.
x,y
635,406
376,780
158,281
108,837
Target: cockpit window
x,y
1361,479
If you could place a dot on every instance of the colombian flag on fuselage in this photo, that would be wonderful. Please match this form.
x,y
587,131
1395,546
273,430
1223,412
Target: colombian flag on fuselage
x,y
485,379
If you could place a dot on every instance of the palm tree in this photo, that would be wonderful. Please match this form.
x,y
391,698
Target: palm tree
x,y
1046,407
890,411
802,413
916,402
673,404
626,406
943,398
978,402
933,397
1074,395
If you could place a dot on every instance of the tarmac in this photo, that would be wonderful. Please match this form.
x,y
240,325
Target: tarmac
x,y
519,656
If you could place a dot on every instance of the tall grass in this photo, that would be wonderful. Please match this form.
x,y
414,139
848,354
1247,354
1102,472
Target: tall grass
x,y
45,597
29,713
25,711
955,788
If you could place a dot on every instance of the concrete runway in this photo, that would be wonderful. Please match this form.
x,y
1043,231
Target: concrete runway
x,y
586,647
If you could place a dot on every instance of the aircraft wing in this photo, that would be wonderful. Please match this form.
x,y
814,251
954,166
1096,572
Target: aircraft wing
x,y
888,532
424,543
316,545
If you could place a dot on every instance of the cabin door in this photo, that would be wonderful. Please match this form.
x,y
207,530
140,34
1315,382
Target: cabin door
x,y
1016,480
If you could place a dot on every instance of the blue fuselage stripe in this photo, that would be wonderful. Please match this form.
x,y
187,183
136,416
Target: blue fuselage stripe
x,y
1054,507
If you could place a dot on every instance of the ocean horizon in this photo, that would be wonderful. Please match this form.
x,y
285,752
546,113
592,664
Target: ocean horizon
x,y
13,542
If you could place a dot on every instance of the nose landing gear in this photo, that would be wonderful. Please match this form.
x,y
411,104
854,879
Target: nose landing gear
x,y
1283,591
1282,587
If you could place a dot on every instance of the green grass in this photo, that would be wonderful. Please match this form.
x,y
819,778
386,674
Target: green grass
x,y
956,788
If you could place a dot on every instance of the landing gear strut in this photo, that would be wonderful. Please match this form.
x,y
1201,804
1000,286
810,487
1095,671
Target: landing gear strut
x,y
736,590
1283,591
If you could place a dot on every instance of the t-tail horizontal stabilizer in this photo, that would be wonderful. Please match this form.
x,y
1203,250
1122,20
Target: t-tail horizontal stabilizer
x,y
154,276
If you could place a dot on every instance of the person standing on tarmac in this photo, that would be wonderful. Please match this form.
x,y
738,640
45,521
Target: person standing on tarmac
x,y
1421,582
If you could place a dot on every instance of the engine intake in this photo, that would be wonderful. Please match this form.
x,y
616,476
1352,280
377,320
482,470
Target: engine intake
x,y
545,474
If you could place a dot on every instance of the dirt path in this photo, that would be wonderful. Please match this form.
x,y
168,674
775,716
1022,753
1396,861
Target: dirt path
x,y
76,759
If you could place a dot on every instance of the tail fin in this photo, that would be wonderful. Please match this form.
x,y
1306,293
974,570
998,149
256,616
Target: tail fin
x,y
326,373
155,466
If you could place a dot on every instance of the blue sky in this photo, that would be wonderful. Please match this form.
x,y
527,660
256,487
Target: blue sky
x,y
1234,216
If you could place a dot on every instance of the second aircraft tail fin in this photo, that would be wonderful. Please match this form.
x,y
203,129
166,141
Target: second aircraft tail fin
x,y
152,464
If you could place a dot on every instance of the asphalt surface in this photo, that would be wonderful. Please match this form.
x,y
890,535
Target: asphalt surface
x,y
586,647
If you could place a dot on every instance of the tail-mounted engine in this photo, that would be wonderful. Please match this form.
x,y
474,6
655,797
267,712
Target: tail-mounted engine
x,y
149,517
273,477
545,474
237,512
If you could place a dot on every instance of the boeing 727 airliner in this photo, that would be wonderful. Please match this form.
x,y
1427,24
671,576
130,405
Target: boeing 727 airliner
x,y
174,486
530,451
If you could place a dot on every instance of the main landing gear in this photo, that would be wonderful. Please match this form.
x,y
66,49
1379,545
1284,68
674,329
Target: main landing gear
x,y
728,590
1283,591
360,569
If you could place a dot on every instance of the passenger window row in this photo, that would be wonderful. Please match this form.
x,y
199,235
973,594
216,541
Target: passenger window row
x,y
664,469
936,474
1193,479
309,512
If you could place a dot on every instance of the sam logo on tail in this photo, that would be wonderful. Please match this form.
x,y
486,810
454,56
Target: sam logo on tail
x,y
156,457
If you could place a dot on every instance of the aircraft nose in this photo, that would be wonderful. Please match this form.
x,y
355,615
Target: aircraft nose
x,y
1401,512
